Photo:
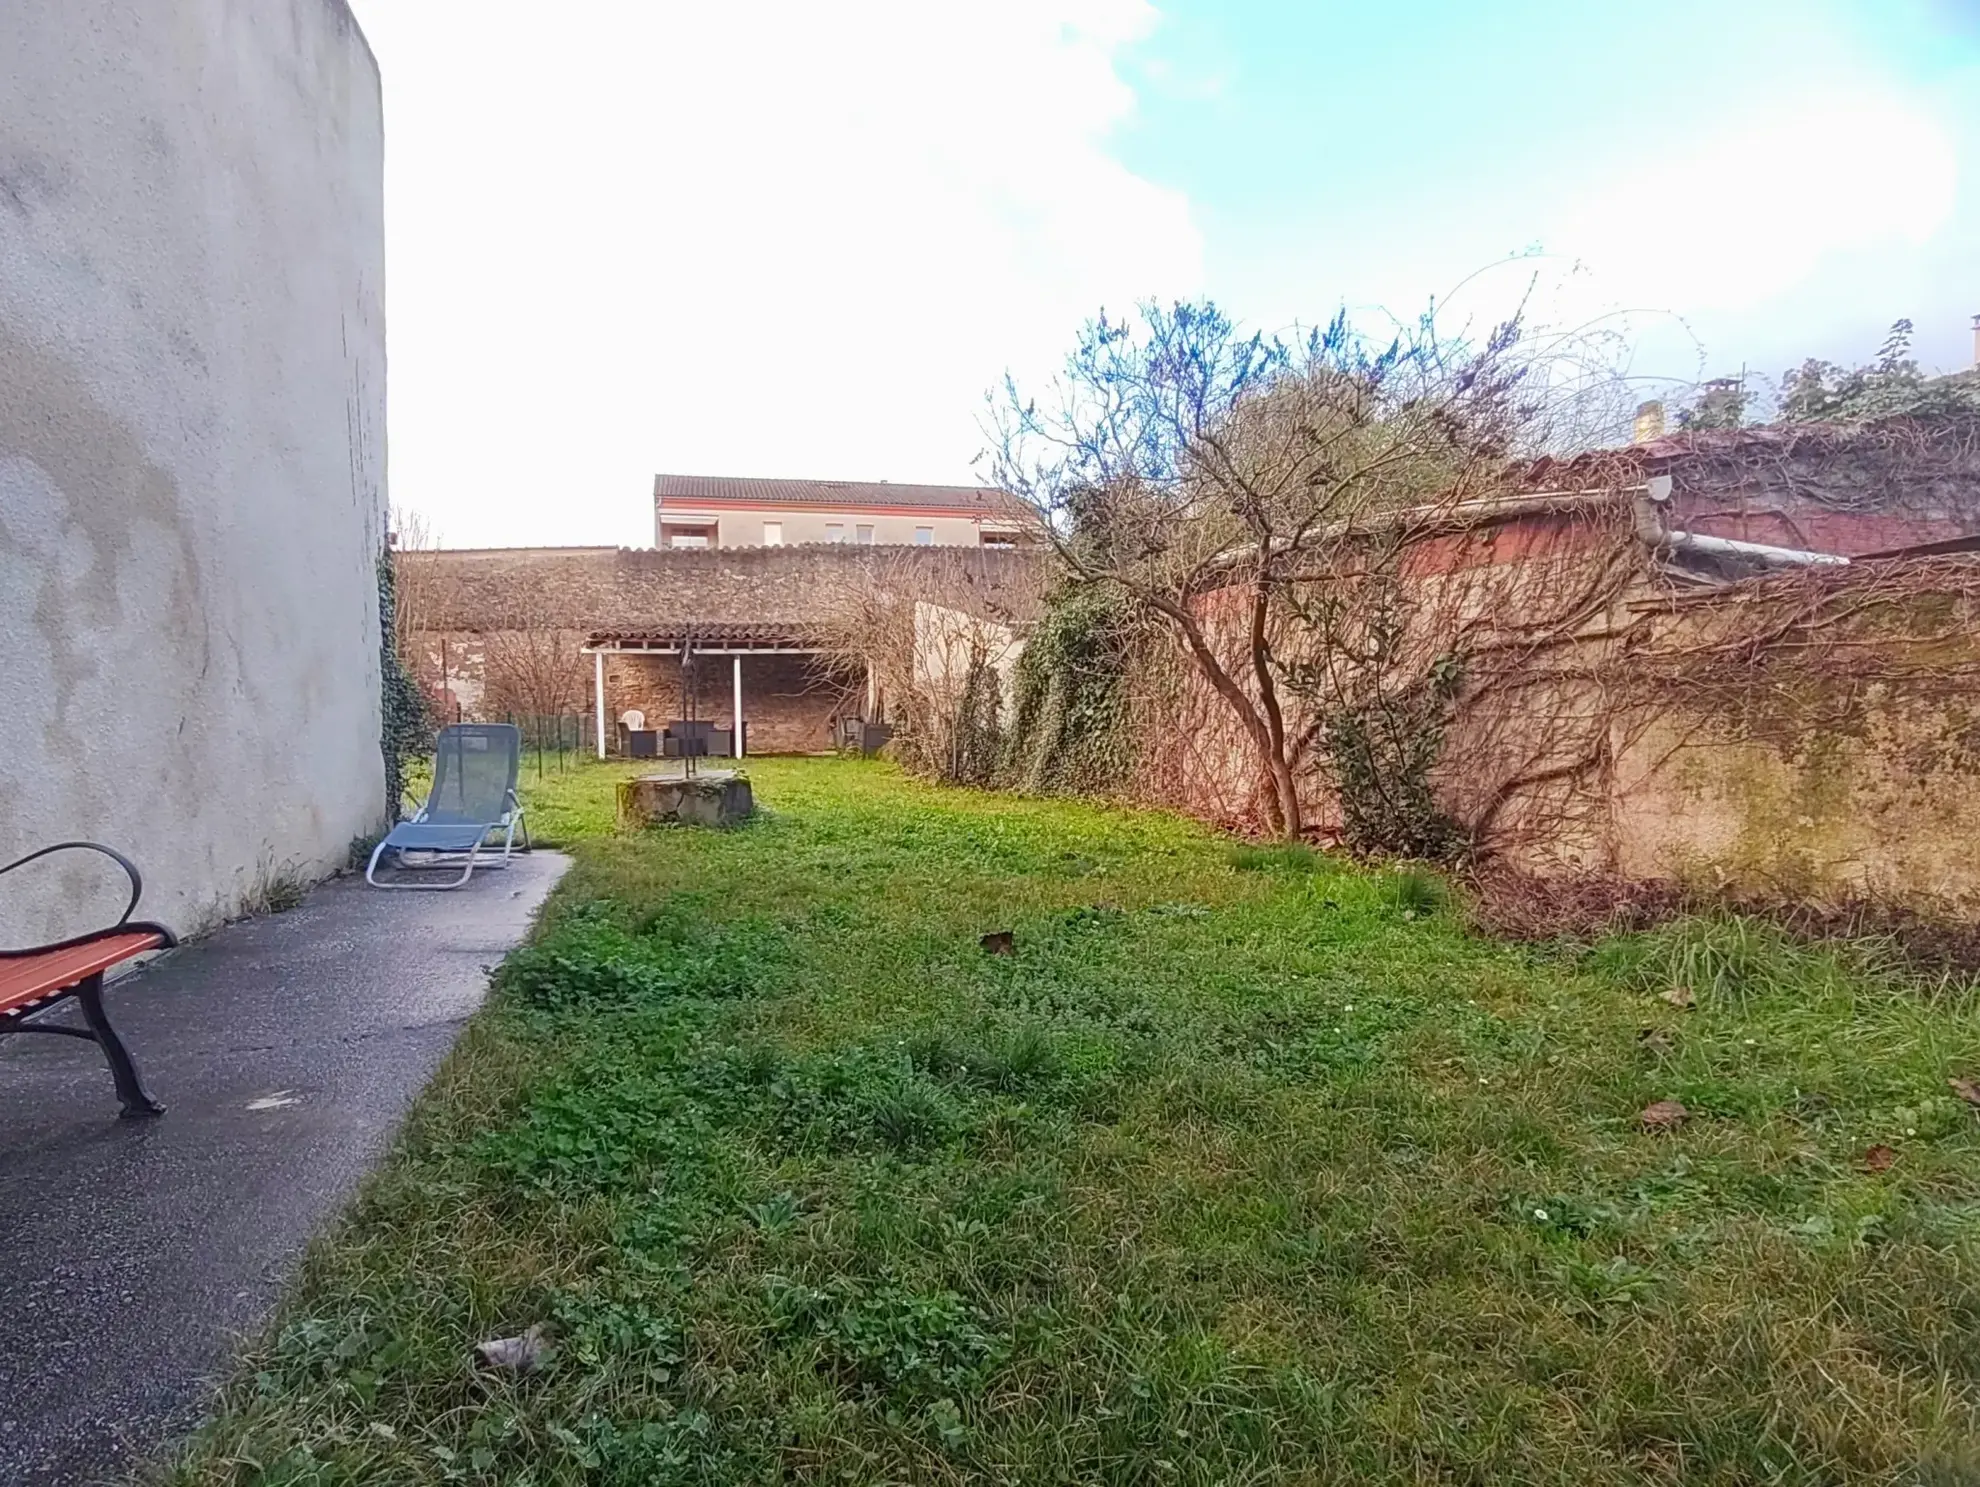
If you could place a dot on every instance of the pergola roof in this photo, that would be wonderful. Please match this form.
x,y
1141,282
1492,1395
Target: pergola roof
x,y
708,635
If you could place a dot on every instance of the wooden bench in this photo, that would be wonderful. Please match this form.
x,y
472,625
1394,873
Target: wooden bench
x,y
33,981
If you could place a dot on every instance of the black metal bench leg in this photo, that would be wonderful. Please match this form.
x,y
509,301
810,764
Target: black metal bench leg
x,y
130,1088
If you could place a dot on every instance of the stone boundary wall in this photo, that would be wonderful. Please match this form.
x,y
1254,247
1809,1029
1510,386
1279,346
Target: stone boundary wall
x,y
604,588
1834,760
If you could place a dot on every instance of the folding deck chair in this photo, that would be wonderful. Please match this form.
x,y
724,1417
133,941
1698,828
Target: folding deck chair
x,y
473,797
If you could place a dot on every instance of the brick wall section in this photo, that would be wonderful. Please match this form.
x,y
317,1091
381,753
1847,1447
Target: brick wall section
x,y
789,702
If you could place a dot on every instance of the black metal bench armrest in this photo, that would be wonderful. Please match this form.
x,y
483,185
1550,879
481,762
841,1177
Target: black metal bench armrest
x,y
130,871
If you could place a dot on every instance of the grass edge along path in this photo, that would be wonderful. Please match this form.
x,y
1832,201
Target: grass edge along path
x,y
1244,1166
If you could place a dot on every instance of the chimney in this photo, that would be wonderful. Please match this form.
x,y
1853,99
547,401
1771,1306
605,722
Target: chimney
x,y
1650,416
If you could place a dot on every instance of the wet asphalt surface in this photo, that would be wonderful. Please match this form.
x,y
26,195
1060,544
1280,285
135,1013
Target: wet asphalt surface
x,y
137,1254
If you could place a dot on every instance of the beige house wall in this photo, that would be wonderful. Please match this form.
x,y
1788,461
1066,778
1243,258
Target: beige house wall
x,y
745,528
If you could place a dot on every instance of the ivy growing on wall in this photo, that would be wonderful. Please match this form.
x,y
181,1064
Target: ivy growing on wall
x,y
1069,730
1381,754
977,741
407,727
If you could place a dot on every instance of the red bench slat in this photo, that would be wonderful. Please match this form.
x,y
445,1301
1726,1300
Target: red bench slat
x,y
31,978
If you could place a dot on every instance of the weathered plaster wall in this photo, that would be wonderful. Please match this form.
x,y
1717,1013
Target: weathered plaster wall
x,y
1885,810
192,444
1807,738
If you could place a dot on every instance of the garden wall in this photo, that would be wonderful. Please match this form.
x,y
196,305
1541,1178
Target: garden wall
x,y
1830,751
1813,737
461,590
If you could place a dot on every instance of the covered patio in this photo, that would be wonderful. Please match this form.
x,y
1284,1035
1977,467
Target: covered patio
x,y
768,687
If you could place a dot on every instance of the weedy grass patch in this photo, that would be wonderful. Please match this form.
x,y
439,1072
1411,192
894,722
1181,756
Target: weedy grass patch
x,y
1244,1165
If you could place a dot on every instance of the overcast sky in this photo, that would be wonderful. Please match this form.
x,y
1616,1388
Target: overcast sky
x,y
627,236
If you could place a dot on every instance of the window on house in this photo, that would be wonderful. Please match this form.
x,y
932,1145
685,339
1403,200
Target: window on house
x,y
924,536
835,531
679,535
864,534
999,539
773,534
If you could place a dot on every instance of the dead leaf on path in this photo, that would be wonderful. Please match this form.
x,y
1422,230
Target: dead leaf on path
x,y
1966,1089
1665,1115
1000,942
1679,996
517,1354
1879,1158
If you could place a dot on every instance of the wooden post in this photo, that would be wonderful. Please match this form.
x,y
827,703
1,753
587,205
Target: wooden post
x,y
598,700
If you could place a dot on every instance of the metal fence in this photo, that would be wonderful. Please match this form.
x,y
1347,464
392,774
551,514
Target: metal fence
x,y
558,740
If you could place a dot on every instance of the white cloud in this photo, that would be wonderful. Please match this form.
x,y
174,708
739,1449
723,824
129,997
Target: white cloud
x,y
1734,219
787,238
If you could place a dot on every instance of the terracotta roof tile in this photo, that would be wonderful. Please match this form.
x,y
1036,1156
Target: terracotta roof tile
x,y
711,633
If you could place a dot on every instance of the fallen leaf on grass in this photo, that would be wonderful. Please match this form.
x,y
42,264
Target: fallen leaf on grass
x,y
1665,1115
1655,1040
1966,1089
1879,1158
1679,996
1000,942
517,1354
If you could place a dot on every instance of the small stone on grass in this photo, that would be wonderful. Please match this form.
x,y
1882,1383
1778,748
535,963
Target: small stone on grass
x,y
1665,1115
516,1354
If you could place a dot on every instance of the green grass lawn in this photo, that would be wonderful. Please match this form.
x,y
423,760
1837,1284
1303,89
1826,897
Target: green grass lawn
x,y
1245,1166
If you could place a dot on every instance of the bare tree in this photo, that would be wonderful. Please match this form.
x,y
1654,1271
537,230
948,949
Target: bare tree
x,y
416,587
1222,481
939,644
531,665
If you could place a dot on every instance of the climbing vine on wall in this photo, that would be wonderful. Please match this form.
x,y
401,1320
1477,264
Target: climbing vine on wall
x,y
407,727
977,738
1381,755
1069,729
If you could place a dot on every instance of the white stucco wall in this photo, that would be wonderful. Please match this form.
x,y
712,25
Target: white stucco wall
x,y
192,444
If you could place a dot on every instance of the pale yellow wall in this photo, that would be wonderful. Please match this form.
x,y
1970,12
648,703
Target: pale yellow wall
x,y
1887,809
947,642
745,528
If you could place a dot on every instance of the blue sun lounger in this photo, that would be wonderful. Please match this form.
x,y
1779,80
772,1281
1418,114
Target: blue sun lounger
x,y
473,797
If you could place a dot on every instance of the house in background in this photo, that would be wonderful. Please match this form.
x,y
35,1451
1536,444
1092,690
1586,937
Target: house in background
x,y
724,511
